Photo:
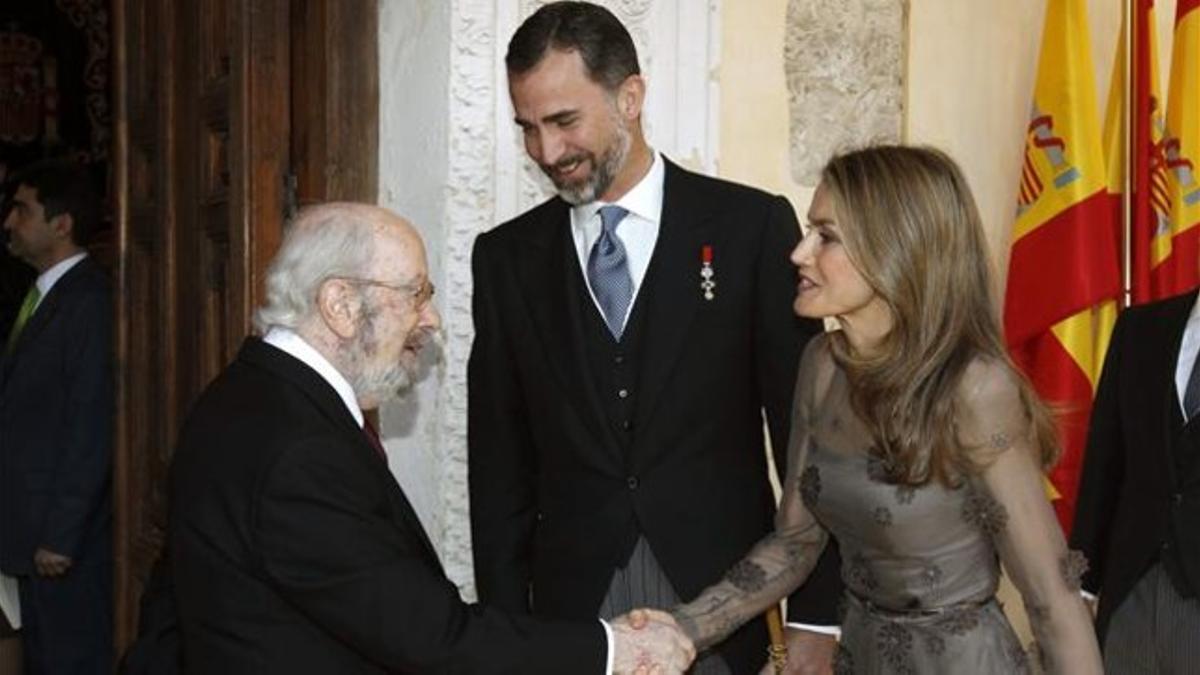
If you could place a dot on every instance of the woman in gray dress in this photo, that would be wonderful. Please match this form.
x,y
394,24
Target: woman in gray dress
x,y
915,442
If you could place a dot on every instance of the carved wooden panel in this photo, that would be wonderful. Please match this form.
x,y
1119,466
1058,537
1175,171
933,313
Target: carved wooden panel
x,y
203,128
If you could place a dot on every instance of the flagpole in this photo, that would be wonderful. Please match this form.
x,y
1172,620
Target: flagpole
x,y
1128,7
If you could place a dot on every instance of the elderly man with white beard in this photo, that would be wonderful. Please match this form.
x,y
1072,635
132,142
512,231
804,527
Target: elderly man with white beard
x,y
293,548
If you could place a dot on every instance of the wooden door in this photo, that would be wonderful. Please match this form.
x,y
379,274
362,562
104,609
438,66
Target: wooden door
x,y
227,114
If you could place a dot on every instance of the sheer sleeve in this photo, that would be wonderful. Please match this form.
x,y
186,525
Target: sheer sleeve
x,y
782,560
1008,501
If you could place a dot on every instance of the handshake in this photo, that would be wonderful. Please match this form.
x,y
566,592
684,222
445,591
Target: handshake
x,y
650,642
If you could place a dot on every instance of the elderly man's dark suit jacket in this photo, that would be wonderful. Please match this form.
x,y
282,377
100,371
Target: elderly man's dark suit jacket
x,y
295,551
566,471
1139,497
56,425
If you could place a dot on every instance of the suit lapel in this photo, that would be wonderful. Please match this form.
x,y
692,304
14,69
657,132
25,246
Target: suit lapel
x,y
550,277
46,310
671,289
1172,421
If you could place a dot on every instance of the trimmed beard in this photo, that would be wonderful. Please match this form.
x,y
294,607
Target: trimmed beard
x,y
604,171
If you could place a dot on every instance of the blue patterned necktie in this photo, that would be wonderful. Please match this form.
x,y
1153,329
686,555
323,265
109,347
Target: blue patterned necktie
x,y
1191,395
608,271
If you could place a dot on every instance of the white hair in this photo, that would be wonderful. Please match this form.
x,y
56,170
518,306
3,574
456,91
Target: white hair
x,y
321,242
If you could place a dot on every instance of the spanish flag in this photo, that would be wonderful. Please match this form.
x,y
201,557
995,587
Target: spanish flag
x,y
1064,271
1151,238
1173,163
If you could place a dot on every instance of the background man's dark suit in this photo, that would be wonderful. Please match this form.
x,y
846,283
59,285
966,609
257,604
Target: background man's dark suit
x,y
56,415
295,551
1139,499
564,476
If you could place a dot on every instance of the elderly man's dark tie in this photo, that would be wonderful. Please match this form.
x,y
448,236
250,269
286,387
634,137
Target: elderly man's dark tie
x,y
373,438
608,271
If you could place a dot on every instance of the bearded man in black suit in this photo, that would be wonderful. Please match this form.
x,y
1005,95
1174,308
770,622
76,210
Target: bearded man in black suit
x,y
292,547
629,335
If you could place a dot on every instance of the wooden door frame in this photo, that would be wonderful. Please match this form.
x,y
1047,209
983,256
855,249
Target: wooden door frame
x,y
319,143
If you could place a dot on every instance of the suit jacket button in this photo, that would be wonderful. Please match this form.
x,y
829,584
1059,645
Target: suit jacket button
x,y
626,425
619,359
623,393
1177,498
632,482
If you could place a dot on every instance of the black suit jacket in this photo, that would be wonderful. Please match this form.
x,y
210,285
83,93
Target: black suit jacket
x,y
556,502
1133,499
294,550
56,426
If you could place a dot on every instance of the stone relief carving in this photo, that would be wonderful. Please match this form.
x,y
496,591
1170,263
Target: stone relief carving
x,y
844,61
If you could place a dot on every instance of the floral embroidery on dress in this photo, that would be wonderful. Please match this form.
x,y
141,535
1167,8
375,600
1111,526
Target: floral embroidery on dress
x,y
1073,565
860,573
895,644
935,645
883,516
1000,441
810,486
932,574
747,576
958,621
983,511
905,494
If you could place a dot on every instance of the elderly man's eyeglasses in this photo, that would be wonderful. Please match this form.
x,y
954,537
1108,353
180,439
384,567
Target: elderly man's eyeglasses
x,y
421,294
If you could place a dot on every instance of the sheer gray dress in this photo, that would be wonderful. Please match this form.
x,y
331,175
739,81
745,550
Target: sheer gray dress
x,y
920,565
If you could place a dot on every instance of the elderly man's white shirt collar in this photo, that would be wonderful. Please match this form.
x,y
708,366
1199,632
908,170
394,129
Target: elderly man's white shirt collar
x,y
286,340
644,199
47,279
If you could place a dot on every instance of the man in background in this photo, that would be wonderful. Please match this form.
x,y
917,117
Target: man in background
x,y
629,334
56,427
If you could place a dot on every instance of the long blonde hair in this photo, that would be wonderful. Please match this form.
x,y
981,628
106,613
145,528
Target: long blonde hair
x,y
913,231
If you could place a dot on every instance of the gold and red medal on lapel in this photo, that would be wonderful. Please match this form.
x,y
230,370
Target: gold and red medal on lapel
x,y
706,272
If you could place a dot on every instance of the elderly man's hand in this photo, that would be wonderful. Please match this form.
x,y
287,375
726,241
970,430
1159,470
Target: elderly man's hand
x,y
50,564
649,642
809,653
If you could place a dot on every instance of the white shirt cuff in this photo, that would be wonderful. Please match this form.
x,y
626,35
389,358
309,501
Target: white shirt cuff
x,y
835,631
608,635
1090,597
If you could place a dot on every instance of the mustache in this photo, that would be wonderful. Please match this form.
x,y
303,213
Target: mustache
x,y
421,338
565,162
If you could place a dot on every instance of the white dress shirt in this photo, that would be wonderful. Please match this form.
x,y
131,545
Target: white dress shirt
x,y
638,230
1188,349
47,279
286,340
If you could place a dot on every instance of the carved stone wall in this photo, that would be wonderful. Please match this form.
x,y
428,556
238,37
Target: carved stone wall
x,y
450,159
845,65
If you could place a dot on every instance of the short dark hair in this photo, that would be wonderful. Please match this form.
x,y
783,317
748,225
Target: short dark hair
x,y
602,42
63,186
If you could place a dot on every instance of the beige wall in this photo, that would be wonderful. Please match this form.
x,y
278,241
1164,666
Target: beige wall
x,y
971,68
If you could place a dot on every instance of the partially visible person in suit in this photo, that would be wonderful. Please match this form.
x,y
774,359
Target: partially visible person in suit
x,y
1138,514
56,425
629,335
292,547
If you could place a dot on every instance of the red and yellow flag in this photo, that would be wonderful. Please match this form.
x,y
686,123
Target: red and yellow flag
x,y
1175,189
1064,272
